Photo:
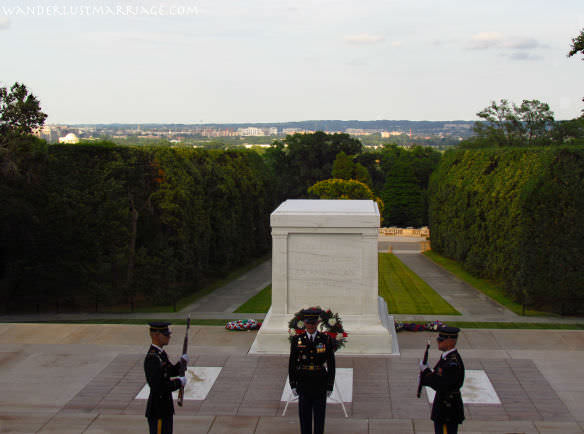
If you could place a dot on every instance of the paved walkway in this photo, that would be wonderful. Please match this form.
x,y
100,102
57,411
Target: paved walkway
x,y
229,297
84,378
470,302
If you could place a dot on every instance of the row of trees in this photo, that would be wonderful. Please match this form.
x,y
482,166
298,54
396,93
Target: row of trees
x,y
515,216
134,222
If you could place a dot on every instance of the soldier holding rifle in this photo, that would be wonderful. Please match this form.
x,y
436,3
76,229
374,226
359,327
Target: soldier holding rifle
x,y
446,379
163,378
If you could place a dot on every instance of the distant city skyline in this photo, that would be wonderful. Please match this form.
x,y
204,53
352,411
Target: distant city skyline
x,y
270,61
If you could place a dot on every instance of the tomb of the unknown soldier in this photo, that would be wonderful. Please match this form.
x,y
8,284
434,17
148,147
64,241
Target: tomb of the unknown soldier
x,y
324,253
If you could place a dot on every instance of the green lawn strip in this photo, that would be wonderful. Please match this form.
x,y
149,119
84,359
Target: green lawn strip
x,y
487,287
137,321
516,325
259,303
405,292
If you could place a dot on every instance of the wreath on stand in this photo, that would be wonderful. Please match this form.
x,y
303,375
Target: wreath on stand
x,y
243,324
329,323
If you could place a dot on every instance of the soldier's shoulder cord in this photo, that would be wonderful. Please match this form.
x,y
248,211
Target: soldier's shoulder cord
x,y
452,360
154,354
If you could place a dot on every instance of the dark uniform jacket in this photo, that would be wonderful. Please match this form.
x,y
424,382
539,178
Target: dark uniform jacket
x,y
306,367
446,379
158,371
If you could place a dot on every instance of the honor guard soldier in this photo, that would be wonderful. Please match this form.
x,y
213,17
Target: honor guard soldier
x,y
162,377
311,371
446,379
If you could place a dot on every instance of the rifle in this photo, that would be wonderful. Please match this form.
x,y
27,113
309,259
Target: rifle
x,y
183,364
425,361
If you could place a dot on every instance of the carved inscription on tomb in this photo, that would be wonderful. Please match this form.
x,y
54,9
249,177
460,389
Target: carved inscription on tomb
x,y
324,269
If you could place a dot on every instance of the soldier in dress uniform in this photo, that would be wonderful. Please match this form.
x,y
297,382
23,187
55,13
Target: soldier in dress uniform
x,y
310,379
446,379
162,377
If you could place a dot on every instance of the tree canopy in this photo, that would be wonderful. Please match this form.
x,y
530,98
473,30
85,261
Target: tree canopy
x,y
508,124
20,110
301,160
20,113
577,45
345,168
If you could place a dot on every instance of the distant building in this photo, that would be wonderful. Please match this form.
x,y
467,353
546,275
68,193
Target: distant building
x,y
47,133
287,131
69,139
388,134
251,131
259,145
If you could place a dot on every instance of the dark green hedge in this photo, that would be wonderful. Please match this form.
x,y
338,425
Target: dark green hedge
x,y
196,213
516,216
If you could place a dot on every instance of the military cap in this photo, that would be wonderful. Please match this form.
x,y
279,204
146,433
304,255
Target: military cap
x,y
445,332
159,326
311,315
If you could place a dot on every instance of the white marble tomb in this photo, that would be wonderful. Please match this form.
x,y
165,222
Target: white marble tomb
x,y
324,253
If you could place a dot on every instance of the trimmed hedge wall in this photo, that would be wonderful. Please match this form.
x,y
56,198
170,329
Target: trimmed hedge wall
x,y
109,221
515,216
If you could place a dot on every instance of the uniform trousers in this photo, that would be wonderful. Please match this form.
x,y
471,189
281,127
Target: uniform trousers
x,y
160,426
445,428
312,402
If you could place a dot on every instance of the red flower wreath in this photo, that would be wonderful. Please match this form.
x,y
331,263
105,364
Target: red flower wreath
x,y
330,324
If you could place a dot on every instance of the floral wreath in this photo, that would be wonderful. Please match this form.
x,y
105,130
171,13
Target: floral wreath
x,y
245,324
330,324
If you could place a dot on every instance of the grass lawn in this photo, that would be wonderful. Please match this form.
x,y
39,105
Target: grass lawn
x,y
259,303
405,292
487,287
515,325
137,321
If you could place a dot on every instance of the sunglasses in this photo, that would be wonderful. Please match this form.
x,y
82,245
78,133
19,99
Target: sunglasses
x,y
166,333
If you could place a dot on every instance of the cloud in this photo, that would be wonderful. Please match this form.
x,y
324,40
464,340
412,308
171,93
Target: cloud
x,y
521,44
485,40
522,55
4,23
363,39
494,40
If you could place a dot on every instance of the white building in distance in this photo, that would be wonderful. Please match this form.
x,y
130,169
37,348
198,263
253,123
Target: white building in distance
x,y
251,131
69,139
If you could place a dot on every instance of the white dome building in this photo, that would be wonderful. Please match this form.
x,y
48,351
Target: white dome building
x,y
69,139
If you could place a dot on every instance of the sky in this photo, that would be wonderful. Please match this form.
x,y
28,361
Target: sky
x,y
238,61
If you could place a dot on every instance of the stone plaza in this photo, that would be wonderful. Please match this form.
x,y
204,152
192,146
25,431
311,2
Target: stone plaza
x,y
81,378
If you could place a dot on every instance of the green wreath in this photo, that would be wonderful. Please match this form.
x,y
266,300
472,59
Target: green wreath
x,y
329,323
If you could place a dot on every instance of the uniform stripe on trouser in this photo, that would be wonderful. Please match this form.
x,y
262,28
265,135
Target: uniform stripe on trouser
x,y
444,429
159,430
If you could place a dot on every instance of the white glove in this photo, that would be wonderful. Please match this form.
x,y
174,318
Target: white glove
x,y
185,357
183,381
294,392
329,393
423,366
